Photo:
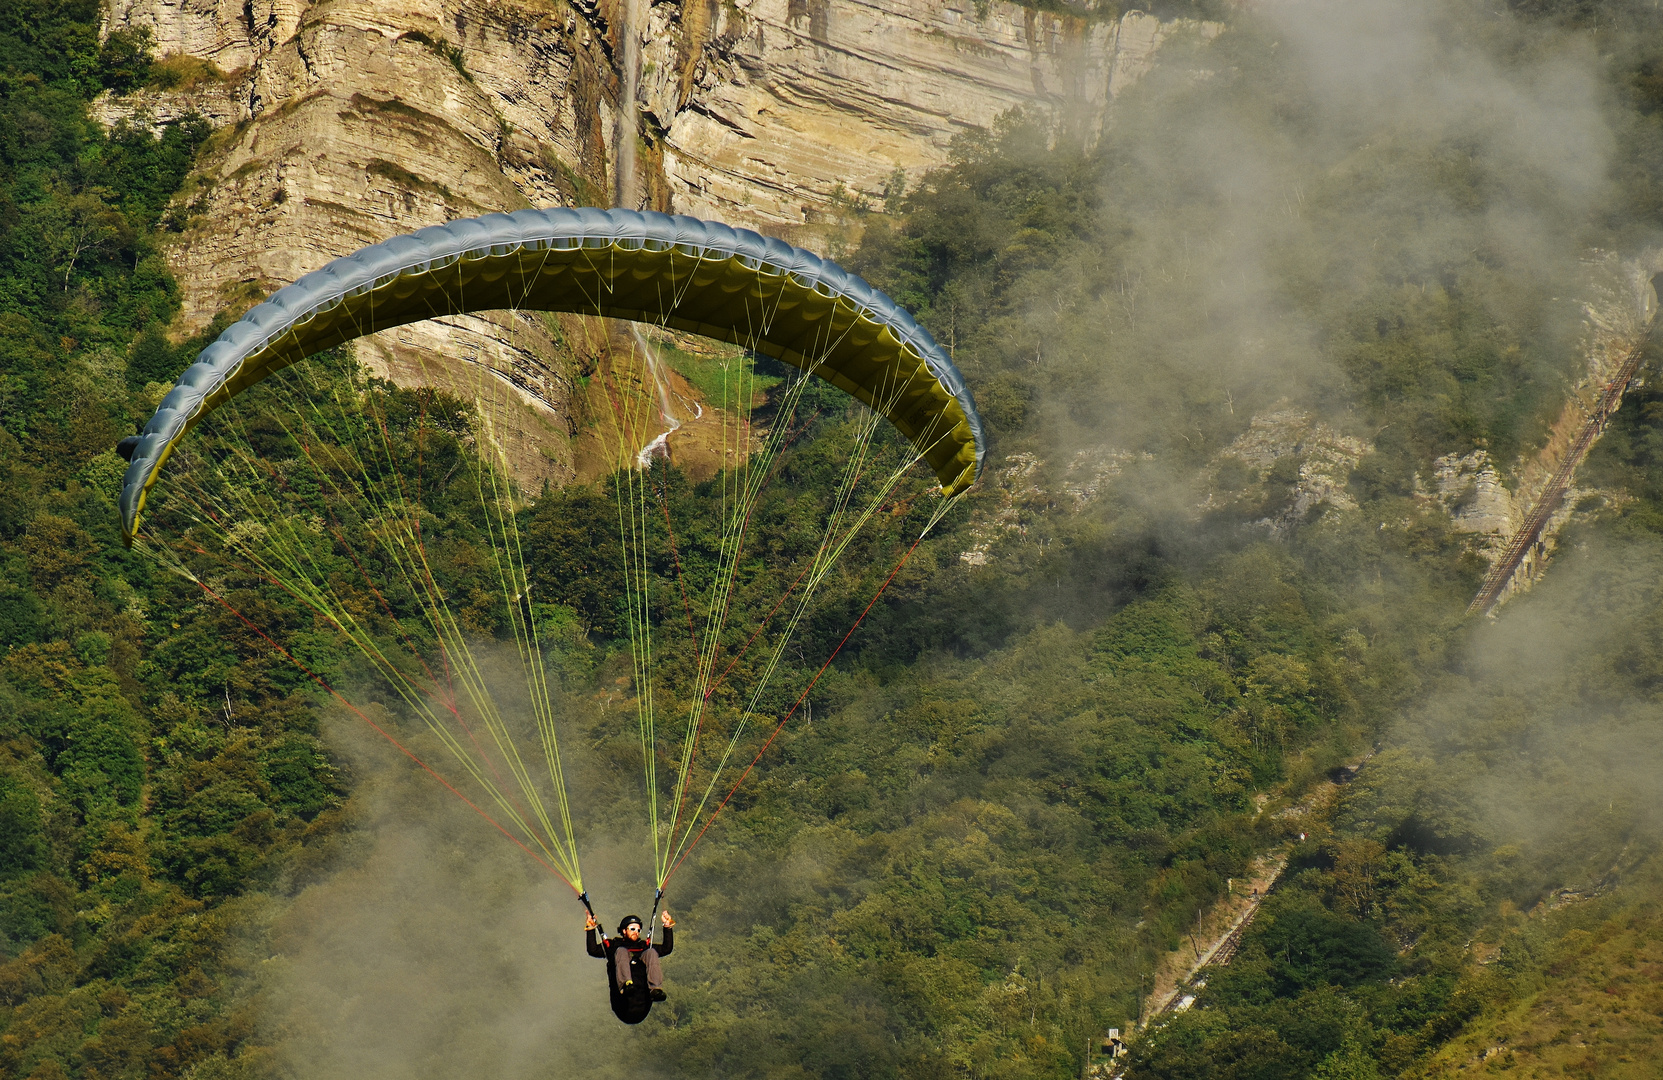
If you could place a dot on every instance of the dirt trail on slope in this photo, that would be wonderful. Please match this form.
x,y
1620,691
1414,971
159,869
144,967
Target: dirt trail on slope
x,y
1620,324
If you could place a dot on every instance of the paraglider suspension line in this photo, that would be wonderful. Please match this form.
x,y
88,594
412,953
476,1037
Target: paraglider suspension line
x,y
795,706
384,733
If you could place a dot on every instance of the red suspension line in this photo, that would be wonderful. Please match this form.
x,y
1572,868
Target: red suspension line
x,y
727,603
448,699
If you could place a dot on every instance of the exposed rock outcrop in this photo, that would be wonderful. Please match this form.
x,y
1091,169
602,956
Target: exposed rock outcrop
x,y
1471,489
1321,459
792,105
353,122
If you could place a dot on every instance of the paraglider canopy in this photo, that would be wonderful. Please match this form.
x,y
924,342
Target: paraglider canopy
x,y
681,272
342,525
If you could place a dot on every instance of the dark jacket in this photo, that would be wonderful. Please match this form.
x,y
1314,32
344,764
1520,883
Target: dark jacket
x,y
632,1005
604,951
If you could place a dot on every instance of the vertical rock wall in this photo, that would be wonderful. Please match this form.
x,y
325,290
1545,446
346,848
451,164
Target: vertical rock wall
x,y
345,122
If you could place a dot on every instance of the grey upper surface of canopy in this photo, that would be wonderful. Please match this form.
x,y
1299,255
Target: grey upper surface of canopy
x,y
822,317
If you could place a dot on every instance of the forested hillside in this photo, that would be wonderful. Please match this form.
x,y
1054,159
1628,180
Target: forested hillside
x,y
1071,718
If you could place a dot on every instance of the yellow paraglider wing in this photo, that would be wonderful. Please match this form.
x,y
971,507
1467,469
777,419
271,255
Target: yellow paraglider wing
x,y
692,275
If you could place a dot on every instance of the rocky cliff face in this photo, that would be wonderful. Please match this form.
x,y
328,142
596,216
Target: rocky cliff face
x,y
789,106
345,122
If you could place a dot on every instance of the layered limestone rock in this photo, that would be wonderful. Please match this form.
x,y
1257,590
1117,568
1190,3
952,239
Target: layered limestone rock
x,y
345,122
1471,489
361,122
795,105
764,112
349,123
